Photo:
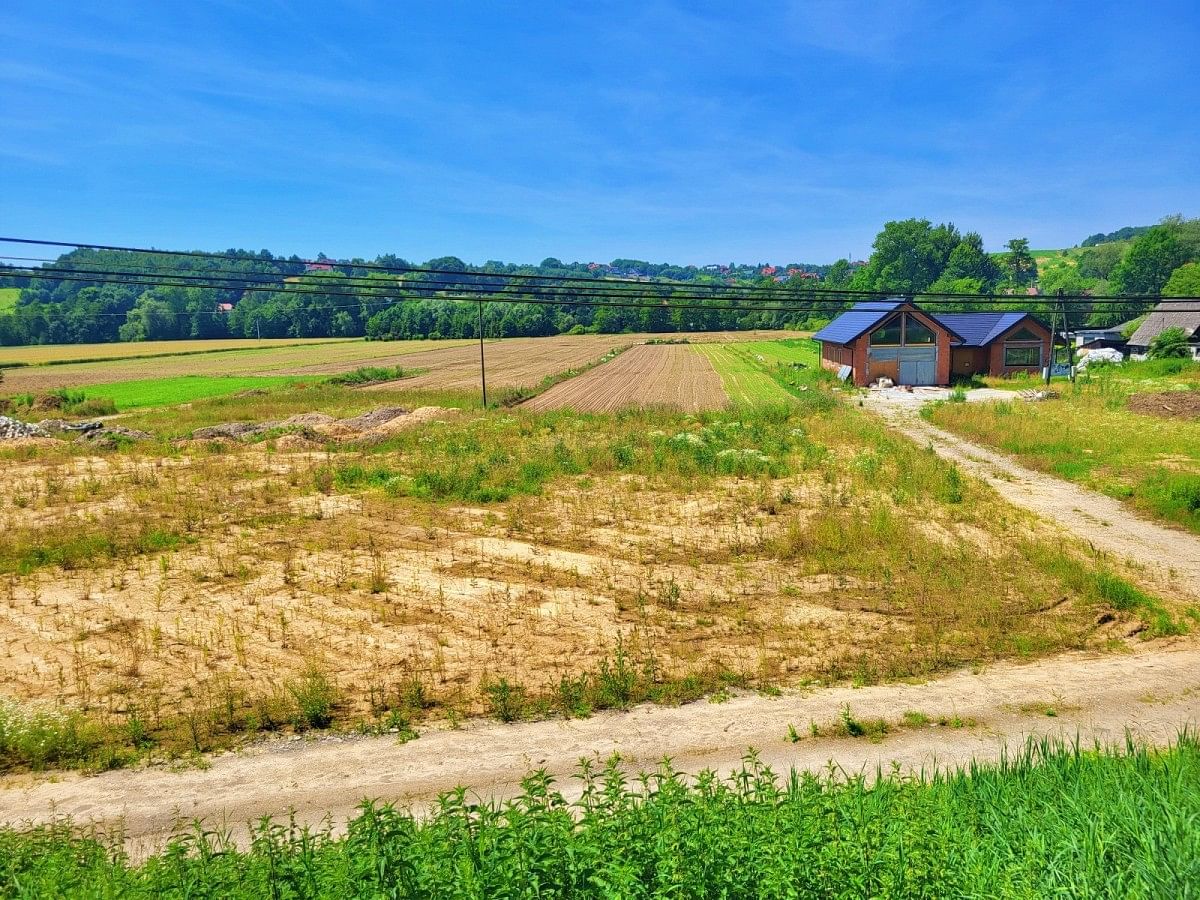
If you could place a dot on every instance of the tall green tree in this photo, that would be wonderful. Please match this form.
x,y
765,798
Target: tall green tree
x,y
1021,266
1184,281
1149,262
908,256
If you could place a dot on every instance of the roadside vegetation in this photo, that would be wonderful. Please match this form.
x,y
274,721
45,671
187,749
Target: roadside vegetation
x,y
1051,819
1131,431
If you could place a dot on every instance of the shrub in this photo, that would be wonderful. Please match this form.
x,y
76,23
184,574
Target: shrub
x,y
315,697
1171,343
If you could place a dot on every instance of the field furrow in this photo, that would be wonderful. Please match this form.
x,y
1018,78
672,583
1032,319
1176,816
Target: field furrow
x,y
670,376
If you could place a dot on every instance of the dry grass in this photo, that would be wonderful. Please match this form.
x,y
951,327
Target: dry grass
x,y
192,593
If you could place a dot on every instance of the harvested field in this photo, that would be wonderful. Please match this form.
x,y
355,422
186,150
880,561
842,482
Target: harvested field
x,y
328,356
663,375
511,363
41,354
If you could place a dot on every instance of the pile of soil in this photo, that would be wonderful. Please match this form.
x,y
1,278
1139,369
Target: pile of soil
x,y
1168,405
314,426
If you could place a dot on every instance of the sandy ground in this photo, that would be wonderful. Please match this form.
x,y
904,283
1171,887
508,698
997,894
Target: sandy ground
x,y
1107,524
1152,693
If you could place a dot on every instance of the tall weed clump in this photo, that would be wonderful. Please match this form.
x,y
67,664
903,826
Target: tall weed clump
x,y
1051,819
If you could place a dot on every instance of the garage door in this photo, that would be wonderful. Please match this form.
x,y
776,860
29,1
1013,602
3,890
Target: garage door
x,y
913,365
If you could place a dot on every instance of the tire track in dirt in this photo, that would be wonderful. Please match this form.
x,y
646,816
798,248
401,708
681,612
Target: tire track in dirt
x,y
1170,557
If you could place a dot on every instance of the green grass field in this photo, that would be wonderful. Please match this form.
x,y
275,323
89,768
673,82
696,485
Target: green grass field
x,y
1049,821
8,299
150,392
1090,436
744,380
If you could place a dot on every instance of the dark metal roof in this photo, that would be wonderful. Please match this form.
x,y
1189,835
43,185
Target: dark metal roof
x,y
859,318
978,329
971,329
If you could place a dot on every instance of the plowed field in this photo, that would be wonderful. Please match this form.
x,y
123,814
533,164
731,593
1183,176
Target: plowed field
x,y
673,376
511,363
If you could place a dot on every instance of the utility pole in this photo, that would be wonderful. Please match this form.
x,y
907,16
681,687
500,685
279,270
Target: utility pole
x,y
482,367
1053,341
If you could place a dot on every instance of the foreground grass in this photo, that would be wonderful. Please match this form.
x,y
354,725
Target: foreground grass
x,y
1051,820
1090,437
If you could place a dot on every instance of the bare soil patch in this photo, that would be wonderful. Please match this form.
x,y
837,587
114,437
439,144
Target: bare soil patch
x,y
662,375
1167,405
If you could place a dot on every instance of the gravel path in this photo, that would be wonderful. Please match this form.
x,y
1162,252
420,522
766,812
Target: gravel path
x,y
1171,557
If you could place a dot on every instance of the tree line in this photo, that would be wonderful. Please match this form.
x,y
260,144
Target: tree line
x,y
349,299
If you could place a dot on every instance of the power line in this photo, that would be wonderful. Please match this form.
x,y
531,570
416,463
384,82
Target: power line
x,y
280,282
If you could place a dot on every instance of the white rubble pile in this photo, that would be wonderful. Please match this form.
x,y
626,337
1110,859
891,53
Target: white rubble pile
x,y
15,429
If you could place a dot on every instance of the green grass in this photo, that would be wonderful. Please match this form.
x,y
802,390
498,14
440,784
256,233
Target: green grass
x,y
153,392
744,379
1049,820
8,299
1090,437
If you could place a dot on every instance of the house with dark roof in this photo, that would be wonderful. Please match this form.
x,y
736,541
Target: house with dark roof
x,y
1183,314
897,339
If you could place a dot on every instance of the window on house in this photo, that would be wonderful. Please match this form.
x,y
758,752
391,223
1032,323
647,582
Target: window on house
x,y
887,334
1023,356
1024,335
916,333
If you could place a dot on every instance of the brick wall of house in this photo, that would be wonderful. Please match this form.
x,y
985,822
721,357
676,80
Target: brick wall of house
x,y
996,364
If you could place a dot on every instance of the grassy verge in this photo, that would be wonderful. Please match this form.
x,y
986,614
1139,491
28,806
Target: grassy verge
x,y
1050,820
1089,436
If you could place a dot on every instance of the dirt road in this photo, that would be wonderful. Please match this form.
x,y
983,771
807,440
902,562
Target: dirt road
x,y
1154,692
1170,557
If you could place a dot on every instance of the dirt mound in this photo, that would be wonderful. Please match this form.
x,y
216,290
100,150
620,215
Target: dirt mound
x,y
1168,405
418,416
307,420
230,430
373,419
15,429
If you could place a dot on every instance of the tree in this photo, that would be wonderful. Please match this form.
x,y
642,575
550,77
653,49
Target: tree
x,y
908,256
838,274
1099,261
1021,266
969,269
1171,343
1149,262
1184,281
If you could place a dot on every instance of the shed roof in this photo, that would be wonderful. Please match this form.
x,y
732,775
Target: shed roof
x,y
1183,314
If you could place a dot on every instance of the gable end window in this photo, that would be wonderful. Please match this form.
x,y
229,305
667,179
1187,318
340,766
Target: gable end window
x,y
1024,334
916,333
887,334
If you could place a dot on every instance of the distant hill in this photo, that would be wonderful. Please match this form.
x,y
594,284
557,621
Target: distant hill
x,y
1128,233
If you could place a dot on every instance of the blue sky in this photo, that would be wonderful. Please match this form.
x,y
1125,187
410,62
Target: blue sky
x,y
684,132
